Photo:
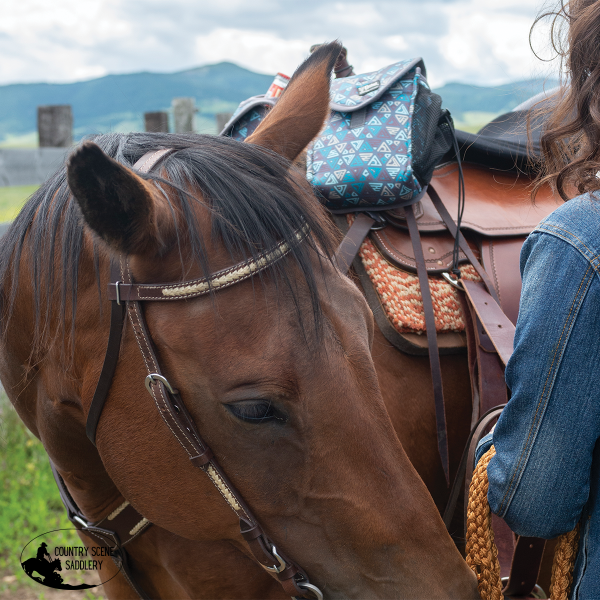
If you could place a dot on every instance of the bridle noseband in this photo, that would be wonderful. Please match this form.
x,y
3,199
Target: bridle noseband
x,y
125,296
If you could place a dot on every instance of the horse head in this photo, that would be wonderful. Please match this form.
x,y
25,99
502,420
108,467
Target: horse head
x,y
275,369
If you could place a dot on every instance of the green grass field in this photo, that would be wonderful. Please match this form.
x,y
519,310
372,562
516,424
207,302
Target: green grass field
x,y
473,121
12,200
29,503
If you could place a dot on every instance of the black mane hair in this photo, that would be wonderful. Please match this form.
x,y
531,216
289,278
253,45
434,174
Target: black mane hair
x,y
254,201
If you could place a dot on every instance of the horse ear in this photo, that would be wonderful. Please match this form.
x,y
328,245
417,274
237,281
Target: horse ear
x,y
127,212
300,113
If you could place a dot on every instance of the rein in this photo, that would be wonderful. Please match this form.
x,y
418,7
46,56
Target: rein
x,y
125,296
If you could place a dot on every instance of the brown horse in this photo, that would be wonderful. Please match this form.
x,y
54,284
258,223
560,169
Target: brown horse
x,y
275,371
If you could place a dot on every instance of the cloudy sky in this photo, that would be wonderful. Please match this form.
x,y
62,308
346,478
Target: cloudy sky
x,y
474,41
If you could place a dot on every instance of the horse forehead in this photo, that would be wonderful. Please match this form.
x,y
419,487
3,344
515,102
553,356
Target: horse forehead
x,y
256,327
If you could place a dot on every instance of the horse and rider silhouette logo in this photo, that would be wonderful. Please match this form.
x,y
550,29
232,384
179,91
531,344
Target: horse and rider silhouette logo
x,y
79,563
44,566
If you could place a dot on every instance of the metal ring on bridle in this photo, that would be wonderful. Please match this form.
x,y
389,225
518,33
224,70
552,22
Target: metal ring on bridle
x,y
153,378
311,588
282,566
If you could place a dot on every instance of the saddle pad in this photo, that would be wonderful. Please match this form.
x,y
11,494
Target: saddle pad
x,y
400,294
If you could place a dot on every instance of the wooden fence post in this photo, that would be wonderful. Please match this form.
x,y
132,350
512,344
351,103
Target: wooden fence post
x,y
222,119
183,114
156,121
55,126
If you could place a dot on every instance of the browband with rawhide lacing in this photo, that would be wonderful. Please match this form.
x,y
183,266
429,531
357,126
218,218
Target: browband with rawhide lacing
x,y
198,287
126,296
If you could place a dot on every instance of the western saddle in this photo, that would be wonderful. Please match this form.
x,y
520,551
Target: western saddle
x,y
498,216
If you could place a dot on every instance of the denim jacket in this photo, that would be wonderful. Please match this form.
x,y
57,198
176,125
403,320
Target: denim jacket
x,y
545,477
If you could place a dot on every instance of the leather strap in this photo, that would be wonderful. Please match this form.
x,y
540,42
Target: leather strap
x,y
474,437
115,531
129,291
352,241
173,411
525,557
480,430
147,162
111,358
117,320
452,228
525,566
497,325
527,552
485,367
171,407
471,360
434,356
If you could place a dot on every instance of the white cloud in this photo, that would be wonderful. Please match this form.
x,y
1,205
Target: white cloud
x,y
263,51
477,41
490,42
56,40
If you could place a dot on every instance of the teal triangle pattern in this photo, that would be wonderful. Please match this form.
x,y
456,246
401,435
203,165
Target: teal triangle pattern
x,y
369,164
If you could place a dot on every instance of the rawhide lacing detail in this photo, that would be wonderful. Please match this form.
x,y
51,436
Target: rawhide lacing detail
x,y
182,426
204,285
237,273
126,297
225,491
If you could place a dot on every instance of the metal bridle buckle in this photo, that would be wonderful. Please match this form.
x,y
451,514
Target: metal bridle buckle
x,y
153,378
118,293
311,588
453,282
282,564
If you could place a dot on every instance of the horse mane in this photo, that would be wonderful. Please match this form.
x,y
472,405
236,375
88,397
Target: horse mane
x,y
256,199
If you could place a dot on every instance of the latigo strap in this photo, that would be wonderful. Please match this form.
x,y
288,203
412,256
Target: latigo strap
x,y
434,354
486,312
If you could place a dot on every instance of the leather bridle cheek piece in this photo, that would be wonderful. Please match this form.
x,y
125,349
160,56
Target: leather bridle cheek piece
x,y
125,296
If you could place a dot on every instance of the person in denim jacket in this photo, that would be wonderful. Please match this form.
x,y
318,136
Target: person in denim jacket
x,y
545,476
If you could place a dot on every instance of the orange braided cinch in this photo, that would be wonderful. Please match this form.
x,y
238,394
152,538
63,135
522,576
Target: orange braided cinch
x,y
482,554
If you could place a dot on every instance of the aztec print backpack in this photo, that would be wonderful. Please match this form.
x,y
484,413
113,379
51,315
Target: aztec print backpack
x,y
378,149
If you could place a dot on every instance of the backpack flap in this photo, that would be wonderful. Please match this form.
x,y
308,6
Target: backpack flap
x,y
247,117
354,93
363,159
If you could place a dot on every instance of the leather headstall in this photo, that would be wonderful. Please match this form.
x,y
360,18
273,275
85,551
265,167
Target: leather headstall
x,y
125,296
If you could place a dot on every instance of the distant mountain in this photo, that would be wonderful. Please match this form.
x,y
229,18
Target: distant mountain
x,y
460,98
118,102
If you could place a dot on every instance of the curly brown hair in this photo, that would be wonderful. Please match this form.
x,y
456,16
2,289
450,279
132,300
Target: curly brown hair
x,y
570,141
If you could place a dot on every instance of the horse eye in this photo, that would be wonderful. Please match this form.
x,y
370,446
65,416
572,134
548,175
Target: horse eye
x,y
255,411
